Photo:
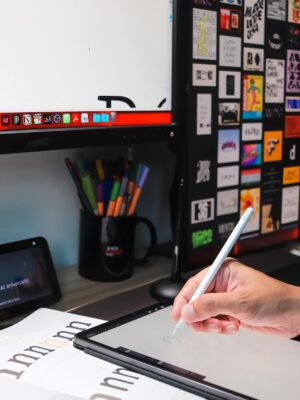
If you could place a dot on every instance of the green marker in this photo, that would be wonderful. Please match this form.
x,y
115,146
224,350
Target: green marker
x,y
88,188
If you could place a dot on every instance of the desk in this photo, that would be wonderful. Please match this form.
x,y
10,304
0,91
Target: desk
x,y
112,300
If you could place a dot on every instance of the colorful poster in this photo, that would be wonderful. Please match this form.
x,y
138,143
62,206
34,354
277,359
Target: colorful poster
x,y
204,104
292,104
292,126
204,34
230,20
290,204
254,21
294,11
251,198
271,199
270,219
228,145
229,85
274,84
252,97
272,146
251,131
253,59
204,75
276,9
202,238
251,154
227,202
230,51
229,114
232,2
293,71
251,177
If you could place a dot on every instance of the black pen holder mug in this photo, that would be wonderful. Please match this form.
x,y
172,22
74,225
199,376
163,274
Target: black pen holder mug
x,y
107,246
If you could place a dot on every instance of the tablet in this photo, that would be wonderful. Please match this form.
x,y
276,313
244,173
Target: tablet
x,y
247,365
27,277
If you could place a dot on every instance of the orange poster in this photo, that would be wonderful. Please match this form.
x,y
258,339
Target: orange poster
x,y
272,146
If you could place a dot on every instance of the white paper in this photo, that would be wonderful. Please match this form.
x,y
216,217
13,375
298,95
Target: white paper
x,y
66,370
21,390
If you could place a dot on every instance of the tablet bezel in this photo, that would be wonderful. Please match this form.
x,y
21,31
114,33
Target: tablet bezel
x,y
22,308
153,368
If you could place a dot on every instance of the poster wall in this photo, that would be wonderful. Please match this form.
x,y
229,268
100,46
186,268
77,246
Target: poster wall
x,y
244,121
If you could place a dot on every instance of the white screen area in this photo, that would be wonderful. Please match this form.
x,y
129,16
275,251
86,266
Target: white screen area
x,y
253,364
60,55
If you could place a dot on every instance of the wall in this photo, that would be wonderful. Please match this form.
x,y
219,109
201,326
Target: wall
x,y
38,197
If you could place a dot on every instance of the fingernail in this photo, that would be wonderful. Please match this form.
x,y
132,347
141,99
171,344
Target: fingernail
x,y
188,313
213,328
231,328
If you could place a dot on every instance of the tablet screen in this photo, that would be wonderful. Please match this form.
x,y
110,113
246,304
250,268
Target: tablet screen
x,y
244,363
27,276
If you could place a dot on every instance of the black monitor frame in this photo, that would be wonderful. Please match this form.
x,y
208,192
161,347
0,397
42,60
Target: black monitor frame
x,y
32,140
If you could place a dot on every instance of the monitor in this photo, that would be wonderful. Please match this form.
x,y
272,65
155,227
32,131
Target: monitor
x,y
77,72
244,124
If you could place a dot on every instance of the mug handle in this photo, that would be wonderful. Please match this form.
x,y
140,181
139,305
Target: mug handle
x,y
153,239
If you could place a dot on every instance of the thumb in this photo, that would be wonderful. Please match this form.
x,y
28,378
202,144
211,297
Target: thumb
x,y
209,305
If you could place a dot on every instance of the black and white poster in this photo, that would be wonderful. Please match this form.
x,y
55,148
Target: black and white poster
x,y
254,21
274,82
229,85
230,51
276,9
253,59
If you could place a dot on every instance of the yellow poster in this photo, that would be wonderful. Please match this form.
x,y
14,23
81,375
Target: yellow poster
x,y
253,96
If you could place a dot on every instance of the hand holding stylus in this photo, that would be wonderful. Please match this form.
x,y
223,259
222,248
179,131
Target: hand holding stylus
x,y
216,265
239,296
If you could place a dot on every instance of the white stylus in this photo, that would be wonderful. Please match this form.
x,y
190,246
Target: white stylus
x,y
216,265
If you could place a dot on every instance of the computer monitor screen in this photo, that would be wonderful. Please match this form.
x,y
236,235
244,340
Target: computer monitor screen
x,y
244,124
85,64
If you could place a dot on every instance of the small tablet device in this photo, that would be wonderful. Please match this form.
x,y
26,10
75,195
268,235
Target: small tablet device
x,y
27,277
247,365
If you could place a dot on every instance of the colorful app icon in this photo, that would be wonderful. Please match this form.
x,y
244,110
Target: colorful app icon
x,y
96,118
37,119
27,119
5,120
47,119
57,118
105,118
66,118
75,118
16,119
84,118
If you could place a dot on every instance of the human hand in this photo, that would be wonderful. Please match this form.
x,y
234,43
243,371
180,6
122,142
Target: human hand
x,y
240,296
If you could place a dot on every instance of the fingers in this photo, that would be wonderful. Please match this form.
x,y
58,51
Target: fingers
x,y
191,285
215,325
186,293
210,305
